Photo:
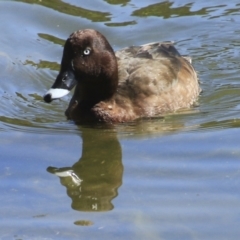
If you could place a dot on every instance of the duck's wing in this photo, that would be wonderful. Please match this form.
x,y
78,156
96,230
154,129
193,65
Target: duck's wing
x,y
156,75
151,61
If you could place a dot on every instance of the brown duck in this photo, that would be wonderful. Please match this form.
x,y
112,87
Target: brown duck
x,y
135,82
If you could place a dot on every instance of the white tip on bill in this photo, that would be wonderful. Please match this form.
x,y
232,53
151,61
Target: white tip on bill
x,y
69,173
57,93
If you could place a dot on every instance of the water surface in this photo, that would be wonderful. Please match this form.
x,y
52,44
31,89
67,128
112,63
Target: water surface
x,y
166,178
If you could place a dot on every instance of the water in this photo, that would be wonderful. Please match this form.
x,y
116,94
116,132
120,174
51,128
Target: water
x,y
171,178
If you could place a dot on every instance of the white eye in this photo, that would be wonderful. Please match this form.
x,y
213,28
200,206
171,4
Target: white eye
x,y
86,51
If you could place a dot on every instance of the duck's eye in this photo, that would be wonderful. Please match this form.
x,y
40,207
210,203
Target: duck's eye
x,y
86,51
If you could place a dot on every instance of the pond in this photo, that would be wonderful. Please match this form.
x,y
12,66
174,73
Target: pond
x,y
175,177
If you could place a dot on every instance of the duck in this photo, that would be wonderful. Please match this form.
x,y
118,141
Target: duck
x,y
136,82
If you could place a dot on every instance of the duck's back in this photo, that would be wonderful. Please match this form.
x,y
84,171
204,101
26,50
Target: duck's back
x,y
149,68
153,79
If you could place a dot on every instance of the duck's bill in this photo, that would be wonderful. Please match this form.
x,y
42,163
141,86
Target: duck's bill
x,y
62,86
65,172
55,93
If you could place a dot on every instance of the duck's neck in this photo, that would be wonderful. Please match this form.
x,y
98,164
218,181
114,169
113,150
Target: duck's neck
x,y
90,92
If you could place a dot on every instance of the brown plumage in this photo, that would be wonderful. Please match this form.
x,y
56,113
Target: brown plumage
x,y
135,82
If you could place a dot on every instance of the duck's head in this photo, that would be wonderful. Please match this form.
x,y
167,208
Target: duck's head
x,y
89,62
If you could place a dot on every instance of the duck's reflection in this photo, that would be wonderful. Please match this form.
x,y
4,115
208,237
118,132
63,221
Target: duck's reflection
x,y
93,181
